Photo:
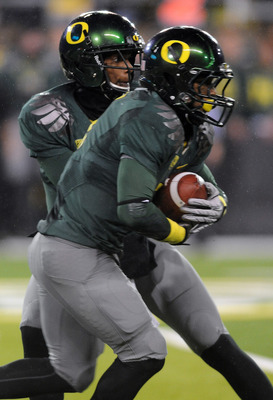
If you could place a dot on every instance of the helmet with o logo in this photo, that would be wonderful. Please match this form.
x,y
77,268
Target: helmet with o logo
x,y
178,63
89,39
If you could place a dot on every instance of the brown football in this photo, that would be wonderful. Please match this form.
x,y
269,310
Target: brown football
x,y
176,192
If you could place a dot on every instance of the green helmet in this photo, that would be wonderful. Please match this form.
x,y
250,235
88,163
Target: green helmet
x,y
178,63
89,39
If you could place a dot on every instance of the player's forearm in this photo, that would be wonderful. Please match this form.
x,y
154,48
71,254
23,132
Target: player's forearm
x,y
136,209
147,219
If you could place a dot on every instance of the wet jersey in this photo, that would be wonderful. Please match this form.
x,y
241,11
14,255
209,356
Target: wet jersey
x,y
141,126
52,124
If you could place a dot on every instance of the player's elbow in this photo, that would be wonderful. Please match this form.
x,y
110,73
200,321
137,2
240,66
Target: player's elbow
x,y
133,215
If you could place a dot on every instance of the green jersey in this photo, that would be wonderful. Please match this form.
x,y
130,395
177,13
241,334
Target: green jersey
x,y
52,125
138,126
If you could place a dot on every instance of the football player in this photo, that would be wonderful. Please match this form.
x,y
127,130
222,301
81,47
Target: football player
x,y
97,54
180,295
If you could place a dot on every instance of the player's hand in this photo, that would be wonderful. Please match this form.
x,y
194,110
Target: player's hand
x,y
199,211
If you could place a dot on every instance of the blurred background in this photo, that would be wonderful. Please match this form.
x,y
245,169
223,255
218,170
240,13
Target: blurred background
x,y
234,257
242,158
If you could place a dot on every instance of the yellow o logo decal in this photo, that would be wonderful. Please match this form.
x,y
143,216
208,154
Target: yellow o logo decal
x,y
69,39
135,38
184,54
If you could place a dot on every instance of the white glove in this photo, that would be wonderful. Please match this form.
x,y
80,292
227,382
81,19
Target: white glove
x,y
199,211
196,228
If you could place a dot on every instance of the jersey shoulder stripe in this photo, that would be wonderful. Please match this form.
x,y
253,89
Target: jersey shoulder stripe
x,y
52,120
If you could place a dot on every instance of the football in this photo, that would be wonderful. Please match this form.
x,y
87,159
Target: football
x,y
176,192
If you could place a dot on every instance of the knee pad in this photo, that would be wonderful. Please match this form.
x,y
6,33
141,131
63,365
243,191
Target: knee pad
x,y
148,344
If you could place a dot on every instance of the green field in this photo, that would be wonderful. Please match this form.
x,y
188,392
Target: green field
x,y
184,376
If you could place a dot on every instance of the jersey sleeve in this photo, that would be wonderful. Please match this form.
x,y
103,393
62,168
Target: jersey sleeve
x,y
45,127
147,143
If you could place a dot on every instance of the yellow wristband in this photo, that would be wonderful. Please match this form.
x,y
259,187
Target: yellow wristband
x,y
177,233
224,204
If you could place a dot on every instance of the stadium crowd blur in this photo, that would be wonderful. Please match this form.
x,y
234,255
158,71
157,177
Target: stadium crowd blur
x,y
242,158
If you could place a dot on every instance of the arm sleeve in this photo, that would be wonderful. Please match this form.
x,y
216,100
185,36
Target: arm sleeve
x,y
135,189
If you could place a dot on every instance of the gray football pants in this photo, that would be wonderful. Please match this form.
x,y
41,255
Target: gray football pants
x,y
83,295
174,292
